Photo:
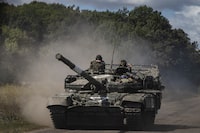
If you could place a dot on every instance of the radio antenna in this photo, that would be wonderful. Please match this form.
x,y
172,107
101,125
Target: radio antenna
x,y
112,56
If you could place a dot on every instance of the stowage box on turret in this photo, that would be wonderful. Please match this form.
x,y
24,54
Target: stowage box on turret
x,y
107,100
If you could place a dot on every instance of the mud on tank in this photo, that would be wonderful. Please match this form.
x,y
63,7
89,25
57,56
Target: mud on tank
x,y
107,100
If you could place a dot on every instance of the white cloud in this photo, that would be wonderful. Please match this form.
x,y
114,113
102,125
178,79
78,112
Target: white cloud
x,y
116,4
188,19
156,4
190,11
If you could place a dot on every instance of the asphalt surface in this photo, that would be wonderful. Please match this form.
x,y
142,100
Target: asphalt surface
x,y
176,116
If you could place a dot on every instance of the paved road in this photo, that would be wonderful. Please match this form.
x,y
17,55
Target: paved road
x,y
175,116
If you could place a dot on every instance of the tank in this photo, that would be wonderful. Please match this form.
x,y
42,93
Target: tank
x,y
115,99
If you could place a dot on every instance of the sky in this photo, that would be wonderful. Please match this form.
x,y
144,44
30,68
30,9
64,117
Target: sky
x,y
184,14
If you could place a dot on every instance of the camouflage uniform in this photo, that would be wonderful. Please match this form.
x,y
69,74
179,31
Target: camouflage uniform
x,y
123,68
97,65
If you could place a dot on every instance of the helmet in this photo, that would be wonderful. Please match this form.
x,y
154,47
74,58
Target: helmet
x,y
123,63
98,57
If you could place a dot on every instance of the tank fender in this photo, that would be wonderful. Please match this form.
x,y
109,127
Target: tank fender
x,y
146,100
60,100
134,97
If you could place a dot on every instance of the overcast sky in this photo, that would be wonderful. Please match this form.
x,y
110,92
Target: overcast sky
x,y
184,14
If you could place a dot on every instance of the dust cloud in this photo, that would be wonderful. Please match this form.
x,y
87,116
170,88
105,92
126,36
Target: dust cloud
x,y
45,75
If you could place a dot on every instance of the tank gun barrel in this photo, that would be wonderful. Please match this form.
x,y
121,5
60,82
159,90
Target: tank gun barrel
x,y
79,71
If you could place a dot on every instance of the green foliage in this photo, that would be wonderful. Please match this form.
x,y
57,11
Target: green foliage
x,y
25,28
14,38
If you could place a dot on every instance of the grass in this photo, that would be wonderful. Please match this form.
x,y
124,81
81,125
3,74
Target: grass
x,y
11,120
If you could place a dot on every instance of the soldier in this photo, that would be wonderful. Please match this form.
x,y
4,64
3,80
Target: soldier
x,y
123,68
123,63
98,65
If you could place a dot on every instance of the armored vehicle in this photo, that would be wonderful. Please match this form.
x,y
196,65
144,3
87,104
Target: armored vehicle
x,y
116,98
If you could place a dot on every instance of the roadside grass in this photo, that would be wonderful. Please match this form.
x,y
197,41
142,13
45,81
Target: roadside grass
x,y
11,119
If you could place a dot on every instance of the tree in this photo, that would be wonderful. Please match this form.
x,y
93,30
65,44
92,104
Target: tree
x,y
26,28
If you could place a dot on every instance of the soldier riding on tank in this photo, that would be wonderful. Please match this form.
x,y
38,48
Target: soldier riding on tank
x,y
98,65
123,68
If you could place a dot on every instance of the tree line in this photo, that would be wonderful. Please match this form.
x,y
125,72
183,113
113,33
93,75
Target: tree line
x,y
25,28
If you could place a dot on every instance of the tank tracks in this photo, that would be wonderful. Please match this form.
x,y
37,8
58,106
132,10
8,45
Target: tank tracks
x,y
144,121
141,122
58,116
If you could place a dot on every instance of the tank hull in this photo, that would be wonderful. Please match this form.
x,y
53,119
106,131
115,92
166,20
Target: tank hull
x,y
83,117
97,117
